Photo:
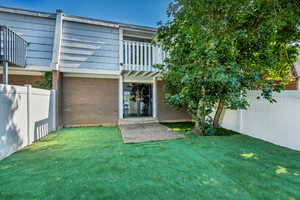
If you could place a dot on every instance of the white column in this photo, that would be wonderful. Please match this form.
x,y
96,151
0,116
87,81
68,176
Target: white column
x,y
5,73
121,97
57,40
154,97
121,49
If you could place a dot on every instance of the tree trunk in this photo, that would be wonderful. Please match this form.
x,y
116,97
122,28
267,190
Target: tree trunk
x,y
198,129
220,108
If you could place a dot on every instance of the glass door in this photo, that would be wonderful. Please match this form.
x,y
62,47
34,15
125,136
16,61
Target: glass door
x,y
137,100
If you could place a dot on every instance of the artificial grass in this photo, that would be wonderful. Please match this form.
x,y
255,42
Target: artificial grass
x,y
187,127
93,163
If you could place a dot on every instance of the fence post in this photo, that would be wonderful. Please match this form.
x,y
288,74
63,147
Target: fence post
x,y
241,124
29,131
53,109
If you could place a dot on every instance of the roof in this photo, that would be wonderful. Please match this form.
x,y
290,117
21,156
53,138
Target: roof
x,y
82,19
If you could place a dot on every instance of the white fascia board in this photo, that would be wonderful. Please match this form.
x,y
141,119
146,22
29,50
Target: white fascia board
x,y
89,71
137,79
80,75
132,27
18,71
38,68
89,21
27,12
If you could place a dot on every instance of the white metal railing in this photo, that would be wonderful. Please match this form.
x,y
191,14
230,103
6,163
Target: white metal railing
x,y
141,56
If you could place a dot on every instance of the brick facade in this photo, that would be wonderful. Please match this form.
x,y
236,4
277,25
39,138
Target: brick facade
x,y
22,79
165,112
89,101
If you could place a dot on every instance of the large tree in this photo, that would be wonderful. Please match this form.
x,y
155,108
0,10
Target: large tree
x,y
219,50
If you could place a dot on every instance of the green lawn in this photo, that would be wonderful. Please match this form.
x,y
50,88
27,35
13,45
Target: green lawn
x,y
93,163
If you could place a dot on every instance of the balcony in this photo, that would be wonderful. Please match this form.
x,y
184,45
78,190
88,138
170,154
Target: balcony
x,y
13,48
139,57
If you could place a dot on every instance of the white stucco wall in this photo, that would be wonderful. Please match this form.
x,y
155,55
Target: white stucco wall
x,y
26,115
278,123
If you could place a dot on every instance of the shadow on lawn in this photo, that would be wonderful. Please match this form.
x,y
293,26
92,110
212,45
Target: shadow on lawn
x,y
187,127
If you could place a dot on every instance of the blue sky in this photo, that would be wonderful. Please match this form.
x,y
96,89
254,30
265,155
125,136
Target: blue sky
x,y
141,12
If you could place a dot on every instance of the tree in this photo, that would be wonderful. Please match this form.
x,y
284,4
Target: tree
x,y
219,50
46,83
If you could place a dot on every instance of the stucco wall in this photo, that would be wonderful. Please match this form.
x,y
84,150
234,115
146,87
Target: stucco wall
x,y
165,112
277,123
89,101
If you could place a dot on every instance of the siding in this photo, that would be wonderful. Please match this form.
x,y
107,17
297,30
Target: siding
x,y
89,46
38,31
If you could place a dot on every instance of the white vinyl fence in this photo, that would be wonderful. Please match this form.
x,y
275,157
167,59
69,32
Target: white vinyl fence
x,y
26,115
278,123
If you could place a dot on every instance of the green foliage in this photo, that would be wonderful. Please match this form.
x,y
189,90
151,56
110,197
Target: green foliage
x,y
46,83
219,50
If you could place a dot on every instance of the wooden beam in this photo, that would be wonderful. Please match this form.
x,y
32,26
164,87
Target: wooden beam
x,y
153,74
147,73
144,73
138,73
129,73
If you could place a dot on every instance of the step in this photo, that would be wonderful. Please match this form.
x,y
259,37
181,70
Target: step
x,y
138,120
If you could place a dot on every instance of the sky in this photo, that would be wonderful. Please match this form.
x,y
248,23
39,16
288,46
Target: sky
x,y
140,12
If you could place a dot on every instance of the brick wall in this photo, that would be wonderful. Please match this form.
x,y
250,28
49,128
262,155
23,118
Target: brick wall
x,y
165,112
89,101
22,79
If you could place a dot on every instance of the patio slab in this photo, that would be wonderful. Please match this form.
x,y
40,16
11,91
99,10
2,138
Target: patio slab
x,y
136,133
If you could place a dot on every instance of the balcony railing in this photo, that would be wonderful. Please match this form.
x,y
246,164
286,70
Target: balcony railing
x,y
141,56
13,47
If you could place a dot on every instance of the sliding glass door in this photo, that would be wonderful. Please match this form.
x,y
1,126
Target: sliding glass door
x,y
137,100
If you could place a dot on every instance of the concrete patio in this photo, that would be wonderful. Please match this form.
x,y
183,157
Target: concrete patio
x,y
136,133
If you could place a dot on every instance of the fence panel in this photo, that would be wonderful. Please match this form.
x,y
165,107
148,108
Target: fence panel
x,y
277,123
26,115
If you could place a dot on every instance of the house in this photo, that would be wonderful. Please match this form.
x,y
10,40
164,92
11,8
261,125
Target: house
x,y
102,70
